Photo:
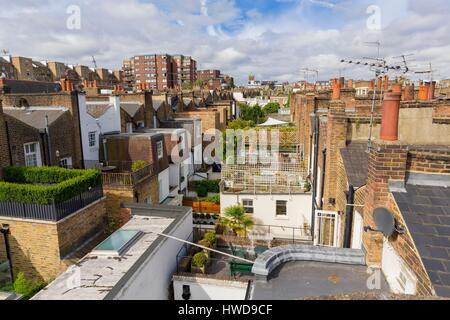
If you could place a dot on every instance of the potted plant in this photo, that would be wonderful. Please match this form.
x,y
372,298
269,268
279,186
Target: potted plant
x,y
237,220
198,264
211,238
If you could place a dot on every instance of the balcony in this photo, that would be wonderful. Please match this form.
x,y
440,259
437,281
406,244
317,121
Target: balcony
x,y
120,174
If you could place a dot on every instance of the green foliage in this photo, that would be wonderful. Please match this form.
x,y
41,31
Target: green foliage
x,y
27,288
138,165
205,186
254,114
186,85
271,107
240,124
44,185
236,219
307,186
210,237
199,260
205,243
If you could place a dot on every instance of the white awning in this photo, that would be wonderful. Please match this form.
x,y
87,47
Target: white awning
x,y
271,122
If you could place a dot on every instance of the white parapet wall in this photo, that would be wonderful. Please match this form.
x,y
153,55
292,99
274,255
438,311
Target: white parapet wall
x,y
209,289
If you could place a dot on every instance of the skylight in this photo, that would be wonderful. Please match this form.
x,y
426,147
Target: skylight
x,y
117,243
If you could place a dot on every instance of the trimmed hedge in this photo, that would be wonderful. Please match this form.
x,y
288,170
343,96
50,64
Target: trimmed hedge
x,y
205,186
20,184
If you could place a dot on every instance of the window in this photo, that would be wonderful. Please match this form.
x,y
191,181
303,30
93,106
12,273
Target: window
x,y
281,208
140,124
92,137
32,154
159,149
66,163
248,206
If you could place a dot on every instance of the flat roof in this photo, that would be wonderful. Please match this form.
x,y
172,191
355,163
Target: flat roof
x,y
100,277
304,280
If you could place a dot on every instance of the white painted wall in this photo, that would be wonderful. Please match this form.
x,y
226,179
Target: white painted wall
x,y
210,289
174,174
164,188
298,210
107,123
153,278
400,278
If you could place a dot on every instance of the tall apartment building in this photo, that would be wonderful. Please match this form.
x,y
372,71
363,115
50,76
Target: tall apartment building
x,y
210,78
186,70
153,72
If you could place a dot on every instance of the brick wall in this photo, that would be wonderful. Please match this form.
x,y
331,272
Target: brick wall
x,y
145,98
4,146
441,114
429,162
67,100
210,119
387,161
38,247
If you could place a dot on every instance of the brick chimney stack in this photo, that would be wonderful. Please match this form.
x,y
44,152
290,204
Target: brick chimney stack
x,y
391,111
409,93
424,92
432,90
336,86
350,84
386,83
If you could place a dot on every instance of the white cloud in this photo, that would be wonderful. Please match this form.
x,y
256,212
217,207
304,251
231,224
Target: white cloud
x,y
314,34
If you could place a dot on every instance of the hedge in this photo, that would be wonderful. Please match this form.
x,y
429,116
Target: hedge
x,y
19,184
205,186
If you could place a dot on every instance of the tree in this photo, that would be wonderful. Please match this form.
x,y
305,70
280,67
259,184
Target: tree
x,y
271,107
239,124
186,85
236,219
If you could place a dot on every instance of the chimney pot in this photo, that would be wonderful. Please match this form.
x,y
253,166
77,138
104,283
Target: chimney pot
x,y
391,111
336,86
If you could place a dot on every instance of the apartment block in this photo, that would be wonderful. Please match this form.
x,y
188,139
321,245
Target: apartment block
x,y
150,72
185,69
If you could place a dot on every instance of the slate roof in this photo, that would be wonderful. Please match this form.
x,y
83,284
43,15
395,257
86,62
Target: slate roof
x,y
157,104
426,210
131,108
97,110
35,117
356,163
22,86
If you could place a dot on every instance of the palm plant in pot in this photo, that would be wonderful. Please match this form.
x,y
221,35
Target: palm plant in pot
x,y
237,220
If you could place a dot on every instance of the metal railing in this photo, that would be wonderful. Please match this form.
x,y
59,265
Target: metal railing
x,y
122,175
51,212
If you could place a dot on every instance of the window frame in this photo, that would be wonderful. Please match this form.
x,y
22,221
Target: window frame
x,y
94,135
160,149
249,208
37,161
279,203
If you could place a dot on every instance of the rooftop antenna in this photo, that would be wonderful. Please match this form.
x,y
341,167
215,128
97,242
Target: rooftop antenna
x,y
94,62
5,52
307,71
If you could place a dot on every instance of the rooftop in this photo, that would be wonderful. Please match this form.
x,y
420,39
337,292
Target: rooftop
x,y
131,108
426,210
303,280
36,116
103,275
356,163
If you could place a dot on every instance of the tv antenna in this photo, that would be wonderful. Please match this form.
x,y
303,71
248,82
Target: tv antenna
x,y
94,62
308,71
5,52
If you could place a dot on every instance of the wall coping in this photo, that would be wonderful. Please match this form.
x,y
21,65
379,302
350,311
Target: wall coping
x,y
273,258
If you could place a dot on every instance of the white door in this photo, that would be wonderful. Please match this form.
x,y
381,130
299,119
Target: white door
x,y
358,229
327,229
32,153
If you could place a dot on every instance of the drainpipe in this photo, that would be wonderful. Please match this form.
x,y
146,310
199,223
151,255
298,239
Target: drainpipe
x,y
324,162
82,164
349,218
47,137
5,231
315,120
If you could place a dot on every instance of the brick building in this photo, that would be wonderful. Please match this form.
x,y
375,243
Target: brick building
x,y
150,72
352,178
7,70
186,70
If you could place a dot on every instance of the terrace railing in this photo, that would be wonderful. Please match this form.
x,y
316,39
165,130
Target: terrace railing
x,y
125,178
52,212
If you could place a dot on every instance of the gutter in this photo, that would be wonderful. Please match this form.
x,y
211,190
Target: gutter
x,y
315,118
79,129
349,217
324,162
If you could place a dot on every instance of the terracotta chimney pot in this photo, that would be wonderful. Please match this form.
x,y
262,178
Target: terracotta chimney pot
x,y
391,111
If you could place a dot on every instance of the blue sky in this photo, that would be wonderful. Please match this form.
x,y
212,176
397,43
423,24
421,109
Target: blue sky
x,y
272,39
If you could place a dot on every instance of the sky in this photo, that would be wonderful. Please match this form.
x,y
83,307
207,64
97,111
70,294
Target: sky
x,y
274,40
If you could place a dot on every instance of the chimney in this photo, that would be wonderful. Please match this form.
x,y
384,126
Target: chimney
x,y
432,90
397,88
342,82
372,84
95,84
336,86
386,83
424,91
379,84
391,111
350,84
409,93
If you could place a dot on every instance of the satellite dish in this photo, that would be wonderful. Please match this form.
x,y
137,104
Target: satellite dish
x,y
385,221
